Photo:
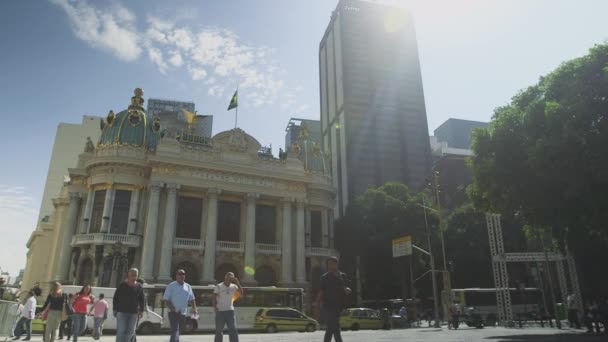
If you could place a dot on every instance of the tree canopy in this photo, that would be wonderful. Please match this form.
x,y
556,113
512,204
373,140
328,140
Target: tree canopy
x,y
544,155
371,221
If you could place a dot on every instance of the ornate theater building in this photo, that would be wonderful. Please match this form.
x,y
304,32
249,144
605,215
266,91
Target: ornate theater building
x,y
159,199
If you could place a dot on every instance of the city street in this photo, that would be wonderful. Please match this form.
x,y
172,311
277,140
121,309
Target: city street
x,y
421,334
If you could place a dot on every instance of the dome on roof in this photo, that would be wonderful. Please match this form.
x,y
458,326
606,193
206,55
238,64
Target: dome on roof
x,y
131,127
309,152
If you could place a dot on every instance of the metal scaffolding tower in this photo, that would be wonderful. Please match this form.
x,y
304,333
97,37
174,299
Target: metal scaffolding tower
x,y
501,276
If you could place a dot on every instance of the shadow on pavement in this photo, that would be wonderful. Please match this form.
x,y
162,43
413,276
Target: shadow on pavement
x,y
549,338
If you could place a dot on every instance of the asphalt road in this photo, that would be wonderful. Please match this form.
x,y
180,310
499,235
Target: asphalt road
x,y
418,334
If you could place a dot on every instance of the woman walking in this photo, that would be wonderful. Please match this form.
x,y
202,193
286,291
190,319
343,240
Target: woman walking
x,y
80,303
54,304
66,324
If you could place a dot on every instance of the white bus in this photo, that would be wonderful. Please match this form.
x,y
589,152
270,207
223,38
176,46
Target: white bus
x,y
150,323
246,307
526,302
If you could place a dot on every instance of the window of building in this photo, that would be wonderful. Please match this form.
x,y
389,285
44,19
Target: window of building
x,y
189,216
120,213
265,224
229,221
316,230
97,213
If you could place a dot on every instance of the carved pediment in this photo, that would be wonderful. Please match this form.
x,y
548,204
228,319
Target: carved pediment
x,y
236,140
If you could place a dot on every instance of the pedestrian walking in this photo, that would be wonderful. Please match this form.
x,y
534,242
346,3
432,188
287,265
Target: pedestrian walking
x,y
128,306
16,310
332,299
80,305
224,295
178,295
66,324
573,311
54,303
100,314
140,282
24,325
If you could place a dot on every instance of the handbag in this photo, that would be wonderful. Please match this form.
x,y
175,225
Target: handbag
x,y
68,310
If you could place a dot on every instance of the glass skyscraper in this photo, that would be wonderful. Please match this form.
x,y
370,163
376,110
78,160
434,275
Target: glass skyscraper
x,y
373,116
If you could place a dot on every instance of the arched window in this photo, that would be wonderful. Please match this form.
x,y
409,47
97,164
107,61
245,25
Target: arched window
x,y
266,276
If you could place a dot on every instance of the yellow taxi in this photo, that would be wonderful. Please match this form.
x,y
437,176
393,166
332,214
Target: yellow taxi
x,y
272,320
361,318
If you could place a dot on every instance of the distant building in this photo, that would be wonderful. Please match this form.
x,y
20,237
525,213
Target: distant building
x,y
156,106
373,116
19,278
293,130
457,132
174,120
450,149
70,141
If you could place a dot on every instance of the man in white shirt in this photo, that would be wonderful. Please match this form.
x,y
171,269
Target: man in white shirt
x,y
225,294
27,315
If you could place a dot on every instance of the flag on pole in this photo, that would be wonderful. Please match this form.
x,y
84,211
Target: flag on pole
x,y
234,103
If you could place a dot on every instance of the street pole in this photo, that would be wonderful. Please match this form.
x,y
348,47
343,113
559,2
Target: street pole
x,y
436,188
558,323
433,276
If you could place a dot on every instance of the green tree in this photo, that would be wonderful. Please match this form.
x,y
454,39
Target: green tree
x,y
544,154
468,248
371,221
544,159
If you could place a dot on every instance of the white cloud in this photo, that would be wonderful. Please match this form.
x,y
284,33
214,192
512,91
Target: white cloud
x,y
112,30
156,56
176,59
213,55
19,215
197,73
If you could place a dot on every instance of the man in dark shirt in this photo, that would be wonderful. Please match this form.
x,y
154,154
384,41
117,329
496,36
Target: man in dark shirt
x,y
129,305
332,298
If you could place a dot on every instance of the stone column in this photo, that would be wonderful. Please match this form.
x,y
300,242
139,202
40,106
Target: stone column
x,y
133,209
86,215
166,253
300,243
286,252
149,247
68,226
324,229
250,236
108,207
308,227
331,230
211,237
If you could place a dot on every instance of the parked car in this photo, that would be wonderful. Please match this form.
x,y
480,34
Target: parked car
x,y
362,318
272,320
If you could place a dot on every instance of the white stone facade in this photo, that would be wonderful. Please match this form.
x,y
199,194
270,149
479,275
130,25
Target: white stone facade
x,y
124,205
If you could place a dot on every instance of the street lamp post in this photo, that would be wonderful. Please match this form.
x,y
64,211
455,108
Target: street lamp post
x,y
433,277
436,190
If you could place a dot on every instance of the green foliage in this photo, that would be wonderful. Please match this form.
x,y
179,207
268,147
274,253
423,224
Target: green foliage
x,y
467,245
371,221
544,154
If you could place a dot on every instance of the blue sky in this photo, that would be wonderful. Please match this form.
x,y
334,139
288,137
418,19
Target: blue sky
x,y
62,59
